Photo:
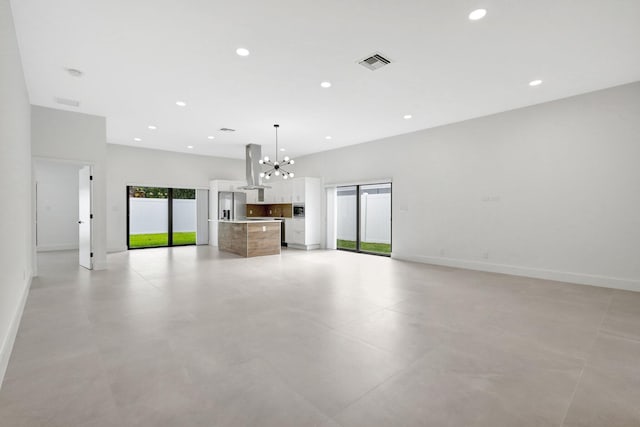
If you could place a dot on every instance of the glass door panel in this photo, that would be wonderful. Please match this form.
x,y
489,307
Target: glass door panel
x,y
184,216
148,217
375,218
347,218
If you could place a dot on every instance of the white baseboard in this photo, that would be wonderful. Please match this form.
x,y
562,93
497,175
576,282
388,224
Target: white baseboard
x,y
560,276
118,249
64,247
7,345
303,247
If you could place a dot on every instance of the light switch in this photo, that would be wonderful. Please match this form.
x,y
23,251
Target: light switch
x,y
264,228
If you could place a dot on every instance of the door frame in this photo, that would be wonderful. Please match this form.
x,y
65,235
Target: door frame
x,y
34,205
170,243
358,215
91,260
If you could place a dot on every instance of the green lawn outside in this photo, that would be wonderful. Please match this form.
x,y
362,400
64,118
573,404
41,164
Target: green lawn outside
x,y
379,248
161,239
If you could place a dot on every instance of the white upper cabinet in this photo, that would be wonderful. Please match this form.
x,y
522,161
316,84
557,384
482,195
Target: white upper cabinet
x,y
284,193
270,193
252,196
298,190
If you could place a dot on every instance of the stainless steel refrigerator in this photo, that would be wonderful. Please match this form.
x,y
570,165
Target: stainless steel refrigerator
x,y
232,205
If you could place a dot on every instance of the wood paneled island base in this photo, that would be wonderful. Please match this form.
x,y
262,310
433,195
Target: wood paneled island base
x,y
249,238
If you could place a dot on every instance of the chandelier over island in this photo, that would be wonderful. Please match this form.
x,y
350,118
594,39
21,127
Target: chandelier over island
x,y
275,167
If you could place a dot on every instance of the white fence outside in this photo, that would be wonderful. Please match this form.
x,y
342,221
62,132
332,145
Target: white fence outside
x,y
149,216
375,218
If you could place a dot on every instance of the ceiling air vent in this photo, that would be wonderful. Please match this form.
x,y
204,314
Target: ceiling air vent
x,y
374,62
69,102
227,130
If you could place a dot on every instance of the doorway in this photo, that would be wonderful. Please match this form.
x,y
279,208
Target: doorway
x,y
363,218
63,208
161,217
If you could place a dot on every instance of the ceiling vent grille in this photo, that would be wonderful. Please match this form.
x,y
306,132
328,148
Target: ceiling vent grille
x,y
69,102
374,62
227,130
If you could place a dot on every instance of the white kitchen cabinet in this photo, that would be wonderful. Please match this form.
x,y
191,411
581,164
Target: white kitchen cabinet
x,y
305,232
252,196
298,190
270,193
283,195
288,231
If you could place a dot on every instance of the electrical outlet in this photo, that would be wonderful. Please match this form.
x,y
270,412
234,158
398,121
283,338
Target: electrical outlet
x,y
250,211
485,255
264,228
441,252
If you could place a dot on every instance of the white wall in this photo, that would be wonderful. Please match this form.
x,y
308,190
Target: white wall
x,y
156,168
66,135
547,191
15,185
56,205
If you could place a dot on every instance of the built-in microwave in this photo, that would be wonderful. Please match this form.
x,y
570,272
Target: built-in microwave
x,y
298,211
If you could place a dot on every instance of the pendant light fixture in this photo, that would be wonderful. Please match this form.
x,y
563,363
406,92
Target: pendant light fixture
x,y
276,168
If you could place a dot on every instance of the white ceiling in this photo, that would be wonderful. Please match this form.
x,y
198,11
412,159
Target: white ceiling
x,y
140,56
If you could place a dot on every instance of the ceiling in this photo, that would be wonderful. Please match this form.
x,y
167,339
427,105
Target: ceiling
x,y
139,57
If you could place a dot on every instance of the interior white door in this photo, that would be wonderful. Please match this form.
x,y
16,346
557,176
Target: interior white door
x,y
85,217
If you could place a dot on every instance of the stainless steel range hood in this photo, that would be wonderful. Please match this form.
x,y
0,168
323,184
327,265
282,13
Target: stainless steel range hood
x,y
253,156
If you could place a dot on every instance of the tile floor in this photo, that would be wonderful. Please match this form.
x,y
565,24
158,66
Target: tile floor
x,y
193,337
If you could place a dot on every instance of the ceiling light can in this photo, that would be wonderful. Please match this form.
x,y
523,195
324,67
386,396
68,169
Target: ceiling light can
x,y
477,14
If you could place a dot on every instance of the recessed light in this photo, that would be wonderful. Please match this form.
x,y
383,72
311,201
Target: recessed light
x,y
181,103
535,82
152,127
137,139
211,137
242,51
478,14
189,147
328,137
407,116
325,84
282,149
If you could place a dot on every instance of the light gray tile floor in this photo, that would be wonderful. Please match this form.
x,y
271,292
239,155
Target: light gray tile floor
x,y
193,337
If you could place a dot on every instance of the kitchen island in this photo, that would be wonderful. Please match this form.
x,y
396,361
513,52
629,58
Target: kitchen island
x,y
249,238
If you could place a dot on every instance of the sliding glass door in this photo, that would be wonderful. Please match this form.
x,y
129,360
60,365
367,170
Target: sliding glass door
x,y
183,212
364,218
158,216
148,209
347,221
